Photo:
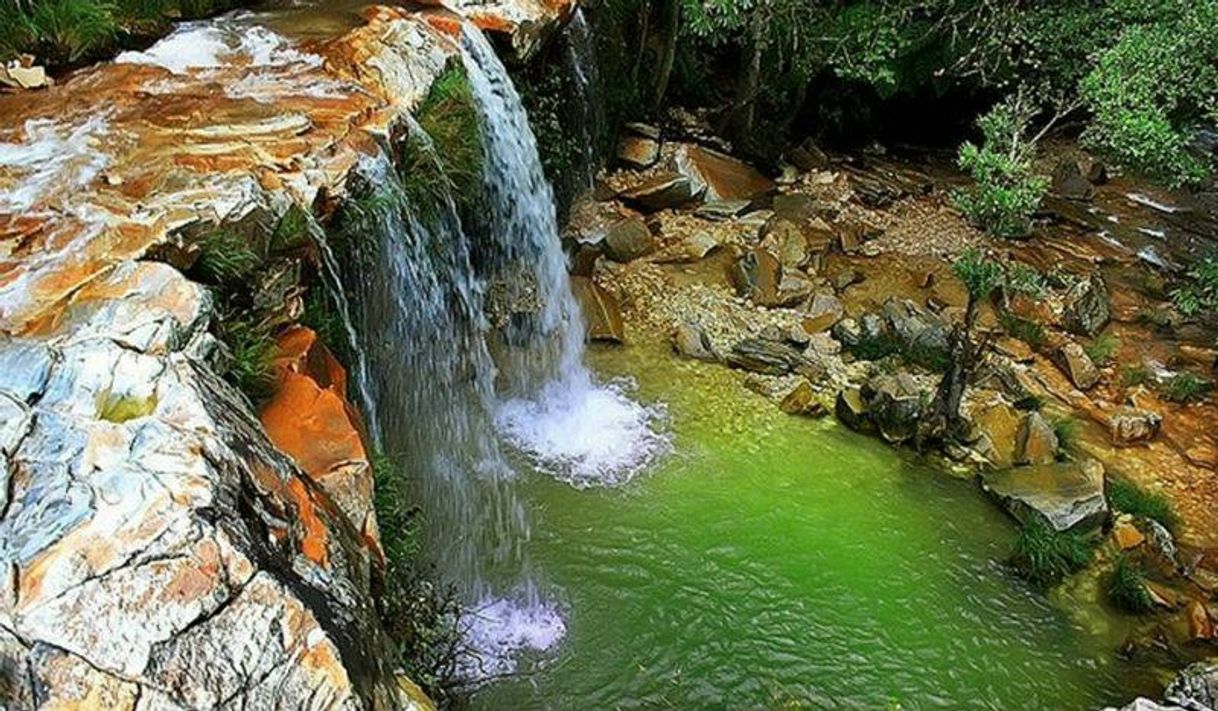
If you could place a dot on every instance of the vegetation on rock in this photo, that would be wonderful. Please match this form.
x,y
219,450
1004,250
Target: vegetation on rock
x,y
65,32
1185,388
448,159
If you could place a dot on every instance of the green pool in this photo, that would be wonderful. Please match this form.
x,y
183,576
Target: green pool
x,y
781,562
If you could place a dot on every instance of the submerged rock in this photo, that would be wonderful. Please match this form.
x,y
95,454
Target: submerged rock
x,y
1067,495
691,341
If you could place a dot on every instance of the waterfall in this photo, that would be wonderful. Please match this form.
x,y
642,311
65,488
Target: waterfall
x,y
552,409
472,339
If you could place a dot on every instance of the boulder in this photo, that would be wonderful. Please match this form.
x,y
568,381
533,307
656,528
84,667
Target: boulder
x,y
996,432
724,177
1036,442
851,411
894,404
1076,364
1144,704
1131,425
1070,183
664,191
823,313
786,240
807,156
1196,686
760,355
1086,307
691,341
1066,495
757,275
628,239
637,151
600,309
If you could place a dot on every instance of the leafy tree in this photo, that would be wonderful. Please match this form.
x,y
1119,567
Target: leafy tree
x,y
1007,191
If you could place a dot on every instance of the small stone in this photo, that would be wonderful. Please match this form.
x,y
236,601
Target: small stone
x,y
757,275
845,279
1087,310
1201,625
722,209
667,190
850,409
823,313
1126,535
602,314
1131,425
638,151
1077,365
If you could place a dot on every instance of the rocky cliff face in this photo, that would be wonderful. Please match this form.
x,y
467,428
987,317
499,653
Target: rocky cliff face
x,y
157,548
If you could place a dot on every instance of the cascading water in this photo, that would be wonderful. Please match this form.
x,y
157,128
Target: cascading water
x,y
574,429
472,336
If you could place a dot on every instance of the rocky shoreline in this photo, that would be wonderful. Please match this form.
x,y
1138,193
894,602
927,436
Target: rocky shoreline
x,y
830,290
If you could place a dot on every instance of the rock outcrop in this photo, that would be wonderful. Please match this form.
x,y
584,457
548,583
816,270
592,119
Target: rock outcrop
x,y
1066,495
161,546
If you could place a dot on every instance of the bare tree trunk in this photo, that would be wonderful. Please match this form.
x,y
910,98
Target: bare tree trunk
x,y
671,20
644,20
944,419
744,109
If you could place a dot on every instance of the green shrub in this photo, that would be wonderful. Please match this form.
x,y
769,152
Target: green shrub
x,y
1200,294
1025,279
1185,388
1102,349
453,162
1006,191
1045,556
1127,586
67,30
1152,85
1129,498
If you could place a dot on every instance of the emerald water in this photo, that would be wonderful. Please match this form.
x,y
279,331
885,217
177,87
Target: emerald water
x,y
781,562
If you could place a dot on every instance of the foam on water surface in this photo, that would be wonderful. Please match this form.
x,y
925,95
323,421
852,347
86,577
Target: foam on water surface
x,y
498,630
585,434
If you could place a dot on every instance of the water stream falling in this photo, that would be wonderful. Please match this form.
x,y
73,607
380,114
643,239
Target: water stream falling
x,y
473,338
581,55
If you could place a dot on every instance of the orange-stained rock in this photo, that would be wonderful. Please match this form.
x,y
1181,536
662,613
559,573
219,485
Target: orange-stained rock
x,y
1201,624
725,178
309,418
1126,535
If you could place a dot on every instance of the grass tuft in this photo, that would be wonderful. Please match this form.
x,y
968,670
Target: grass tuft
x,y
225,256
1185,388
1045,556
1127,587
1026,330
253,353
1129,498
1102,349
